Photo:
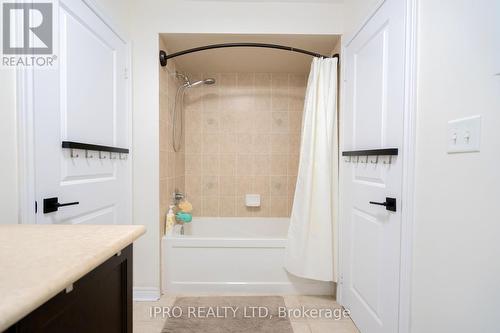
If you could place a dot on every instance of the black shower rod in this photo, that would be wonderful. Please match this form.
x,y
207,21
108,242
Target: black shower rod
x,y
164,56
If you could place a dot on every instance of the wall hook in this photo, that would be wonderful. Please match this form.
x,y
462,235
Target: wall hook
x,y
376,160
73,155
389,160
101,155
88,155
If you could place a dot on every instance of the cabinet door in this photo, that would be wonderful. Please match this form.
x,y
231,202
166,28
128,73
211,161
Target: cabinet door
x,y
101,301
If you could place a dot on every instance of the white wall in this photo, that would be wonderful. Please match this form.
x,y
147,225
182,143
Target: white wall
x,y
356,13
8,148
457,226
151,17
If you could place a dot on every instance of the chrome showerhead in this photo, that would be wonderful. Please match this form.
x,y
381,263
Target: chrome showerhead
x,y
207,81
187,83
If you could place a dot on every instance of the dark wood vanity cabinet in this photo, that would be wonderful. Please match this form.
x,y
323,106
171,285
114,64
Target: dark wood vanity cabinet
x,y
101,301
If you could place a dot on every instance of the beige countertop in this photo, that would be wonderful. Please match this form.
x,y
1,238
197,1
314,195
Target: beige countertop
x,y
39,261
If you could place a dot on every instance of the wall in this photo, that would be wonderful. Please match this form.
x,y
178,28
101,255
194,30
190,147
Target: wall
x,y
356,13
154,16
171,163
456,248
243,137
8,147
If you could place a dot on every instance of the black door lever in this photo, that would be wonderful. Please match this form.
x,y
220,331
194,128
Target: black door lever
x,y
390,204
52,205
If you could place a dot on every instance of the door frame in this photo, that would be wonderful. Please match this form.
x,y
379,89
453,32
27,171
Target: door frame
x,y
408,156
26,130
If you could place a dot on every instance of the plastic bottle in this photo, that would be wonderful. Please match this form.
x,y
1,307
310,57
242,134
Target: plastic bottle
x,y
170,219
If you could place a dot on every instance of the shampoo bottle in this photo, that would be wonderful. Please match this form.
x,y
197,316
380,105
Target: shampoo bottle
x,y
170,219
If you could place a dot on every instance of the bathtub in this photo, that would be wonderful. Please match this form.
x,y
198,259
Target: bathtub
x,y
232,255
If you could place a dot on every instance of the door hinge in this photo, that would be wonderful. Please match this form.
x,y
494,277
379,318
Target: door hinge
x,y
36,207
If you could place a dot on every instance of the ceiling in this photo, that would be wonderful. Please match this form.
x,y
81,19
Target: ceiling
x,y
247,59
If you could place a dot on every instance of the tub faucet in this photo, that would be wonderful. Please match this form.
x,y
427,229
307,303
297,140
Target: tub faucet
x,y
177,196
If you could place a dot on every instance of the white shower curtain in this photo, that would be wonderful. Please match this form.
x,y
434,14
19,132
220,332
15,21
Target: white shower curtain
x,y
310,250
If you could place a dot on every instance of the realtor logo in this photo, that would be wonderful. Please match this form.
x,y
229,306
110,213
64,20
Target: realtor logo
x,y
28,33
35,20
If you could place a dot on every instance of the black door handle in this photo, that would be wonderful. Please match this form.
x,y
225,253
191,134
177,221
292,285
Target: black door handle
x,y
390,204
52,205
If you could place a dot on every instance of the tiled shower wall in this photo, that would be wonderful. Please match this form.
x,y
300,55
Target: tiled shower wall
x,y
243,137
172,169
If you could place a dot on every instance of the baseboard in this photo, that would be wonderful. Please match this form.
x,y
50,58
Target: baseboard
x,y
267,288
146,294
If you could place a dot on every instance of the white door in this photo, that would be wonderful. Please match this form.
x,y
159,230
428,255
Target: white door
x,y
84,100
373,118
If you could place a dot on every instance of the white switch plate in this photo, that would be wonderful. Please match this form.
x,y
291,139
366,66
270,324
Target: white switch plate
x,y
464,135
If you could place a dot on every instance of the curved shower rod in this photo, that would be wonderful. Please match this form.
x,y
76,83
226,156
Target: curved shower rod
x,y
164,56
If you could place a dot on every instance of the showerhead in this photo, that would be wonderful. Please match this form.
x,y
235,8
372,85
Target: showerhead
x,y
207,81
188,84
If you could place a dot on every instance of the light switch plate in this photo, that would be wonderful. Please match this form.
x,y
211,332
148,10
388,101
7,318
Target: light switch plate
x,y
464,135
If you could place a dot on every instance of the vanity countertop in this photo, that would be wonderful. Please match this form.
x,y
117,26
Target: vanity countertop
x,y
39,261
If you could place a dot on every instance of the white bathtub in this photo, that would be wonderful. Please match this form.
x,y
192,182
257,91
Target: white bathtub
x,y
232,255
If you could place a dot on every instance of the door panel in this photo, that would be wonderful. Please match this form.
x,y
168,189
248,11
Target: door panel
x,y
83,100
373,118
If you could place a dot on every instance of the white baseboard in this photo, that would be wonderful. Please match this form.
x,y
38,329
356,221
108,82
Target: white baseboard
x,y
146,294
258,288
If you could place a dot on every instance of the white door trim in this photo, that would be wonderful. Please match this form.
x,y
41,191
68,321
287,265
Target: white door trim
x,y
409,159
25,126
409,151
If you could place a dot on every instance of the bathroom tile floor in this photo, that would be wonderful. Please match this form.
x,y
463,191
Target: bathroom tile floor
x,y
144,323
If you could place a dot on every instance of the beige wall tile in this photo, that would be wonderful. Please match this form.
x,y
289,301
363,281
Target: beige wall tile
x,y
244,185
262,121
261,164
227,185
293,164
241,136
194,185
262,185
228,143
279,122
228,206
295,121
210,206
227,165
193,143
279,186
279,164
264,209
210,121
210,164
193,164
210,186
261,144
279,206
244,165
280,143
227,120
211,143
245,143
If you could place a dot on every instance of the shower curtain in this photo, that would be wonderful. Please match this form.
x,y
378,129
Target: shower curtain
x,y
310,250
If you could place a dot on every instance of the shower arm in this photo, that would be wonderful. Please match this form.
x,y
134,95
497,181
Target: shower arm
x,y
164,56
